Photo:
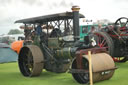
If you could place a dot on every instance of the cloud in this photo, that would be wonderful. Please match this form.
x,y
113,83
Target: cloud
x,y
5,2
34,2
12,10
30,2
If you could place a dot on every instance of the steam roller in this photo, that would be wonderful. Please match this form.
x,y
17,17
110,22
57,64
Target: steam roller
x,y
31,62
103,67
59,55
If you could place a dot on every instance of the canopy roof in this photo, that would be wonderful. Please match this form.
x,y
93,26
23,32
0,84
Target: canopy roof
x,y
47,18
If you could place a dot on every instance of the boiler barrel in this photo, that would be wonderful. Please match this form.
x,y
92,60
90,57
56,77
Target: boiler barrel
x,y
66,53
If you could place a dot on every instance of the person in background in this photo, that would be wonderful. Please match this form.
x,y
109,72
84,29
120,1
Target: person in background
x,y
99,27
92,30
39,29
27,30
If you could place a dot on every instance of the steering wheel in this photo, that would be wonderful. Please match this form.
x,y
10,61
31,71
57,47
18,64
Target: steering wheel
x,y
121,24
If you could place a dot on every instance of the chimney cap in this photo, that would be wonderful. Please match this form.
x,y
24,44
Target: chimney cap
x,y
75,8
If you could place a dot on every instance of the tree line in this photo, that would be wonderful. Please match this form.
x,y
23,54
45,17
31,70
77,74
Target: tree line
x,y
14,31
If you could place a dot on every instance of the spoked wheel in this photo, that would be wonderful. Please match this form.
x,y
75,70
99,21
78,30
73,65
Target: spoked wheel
x,y
81,78
30,61
121,24
104,40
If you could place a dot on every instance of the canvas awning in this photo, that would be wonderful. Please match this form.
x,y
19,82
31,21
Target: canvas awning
x,y
46,18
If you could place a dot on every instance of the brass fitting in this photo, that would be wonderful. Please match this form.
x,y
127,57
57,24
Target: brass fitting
x,y
75,8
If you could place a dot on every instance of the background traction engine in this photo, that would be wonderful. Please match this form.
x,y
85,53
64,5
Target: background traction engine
x,y
115,39
72,56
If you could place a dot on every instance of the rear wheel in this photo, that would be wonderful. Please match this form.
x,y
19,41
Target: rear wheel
x,y
30,61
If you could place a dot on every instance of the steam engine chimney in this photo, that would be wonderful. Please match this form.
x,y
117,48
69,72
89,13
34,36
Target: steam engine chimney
x,y
75,10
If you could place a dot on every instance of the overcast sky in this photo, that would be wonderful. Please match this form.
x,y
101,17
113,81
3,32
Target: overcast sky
x,y
12,10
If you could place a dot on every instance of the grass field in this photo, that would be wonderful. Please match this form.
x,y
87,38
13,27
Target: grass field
x,y
10,75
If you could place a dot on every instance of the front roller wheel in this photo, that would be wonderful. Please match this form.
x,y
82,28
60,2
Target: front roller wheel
x,y
30,61
81,78
103,68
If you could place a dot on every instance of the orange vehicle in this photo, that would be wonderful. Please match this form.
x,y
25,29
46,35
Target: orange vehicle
x,y
17,45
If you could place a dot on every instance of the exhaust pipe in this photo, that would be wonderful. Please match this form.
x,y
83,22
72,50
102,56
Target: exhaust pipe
x,y
75,10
